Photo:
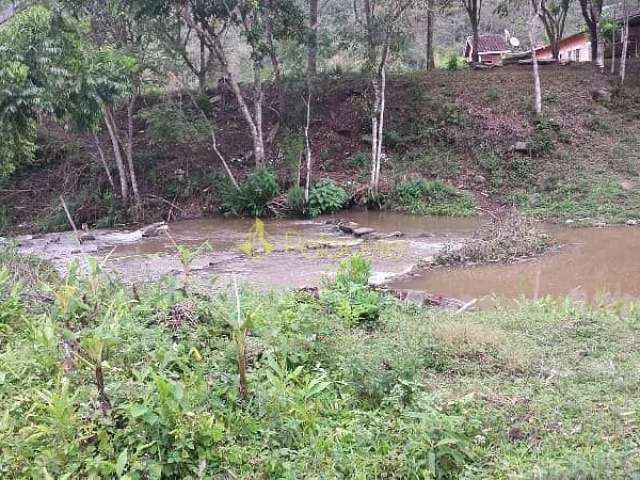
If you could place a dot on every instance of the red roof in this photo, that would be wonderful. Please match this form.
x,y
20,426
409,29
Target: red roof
x,y
490,42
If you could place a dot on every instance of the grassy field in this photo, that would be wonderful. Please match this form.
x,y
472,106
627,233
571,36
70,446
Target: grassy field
x,y
102,381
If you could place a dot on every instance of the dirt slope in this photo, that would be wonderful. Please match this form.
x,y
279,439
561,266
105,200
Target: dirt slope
x,y
457,126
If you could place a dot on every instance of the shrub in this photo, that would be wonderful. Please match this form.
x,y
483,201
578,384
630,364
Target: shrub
x,y
253,195
295,199
454,62
359,160
326,197
292,150
424,197
542,141
355,270
350,295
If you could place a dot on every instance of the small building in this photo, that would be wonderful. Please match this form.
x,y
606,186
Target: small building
x,y
576,48
491,48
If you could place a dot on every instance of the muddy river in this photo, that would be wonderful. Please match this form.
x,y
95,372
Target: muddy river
x,y
593,263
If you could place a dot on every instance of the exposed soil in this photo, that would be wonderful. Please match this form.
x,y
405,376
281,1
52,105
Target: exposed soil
x,y
455,117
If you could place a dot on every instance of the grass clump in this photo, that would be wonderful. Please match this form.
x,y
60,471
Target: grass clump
x,y
424,197
502,240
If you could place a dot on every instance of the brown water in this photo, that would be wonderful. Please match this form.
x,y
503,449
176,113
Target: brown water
x,y
303,251
594,264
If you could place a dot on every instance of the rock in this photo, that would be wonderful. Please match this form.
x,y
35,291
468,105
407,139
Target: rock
x,y
479,179
569,222
361,231
520,147
383,236
87,237
599,224
348,227
601,94
626,185
632,222
154,229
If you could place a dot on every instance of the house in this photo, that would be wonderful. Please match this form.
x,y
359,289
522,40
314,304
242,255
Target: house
x,y
491,48
576,48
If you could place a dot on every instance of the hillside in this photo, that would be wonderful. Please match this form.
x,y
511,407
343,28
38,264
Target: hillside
x,y
456,126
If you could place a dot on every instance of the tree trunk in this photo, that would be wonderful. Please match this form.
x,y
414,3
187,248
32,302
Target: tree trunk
x,y
117,154
475,56
613,51
257,110
625,46
312,56
103,161
377,130
307,142
594,43
600,46
129,151
537,101
430,61
202,72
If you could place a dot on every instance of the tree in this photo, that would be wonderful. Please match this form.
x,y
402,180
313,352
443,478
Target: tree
x,y
47,71
380,21
609,29
474,10
592,13
536,13
177,39
430,63
625,43
553,14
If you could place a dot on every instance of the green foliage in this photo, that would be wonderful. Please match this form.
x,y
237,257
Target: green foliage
x,y
252,196
490,162
350,295
167,123
292,149
359,160
295,200
423,197
543,140
46,70
326,197
354,270
433,161
454,62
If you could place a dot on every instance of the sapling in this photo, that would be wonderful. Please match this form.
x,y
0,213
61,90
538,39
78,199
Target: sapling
x,y
95,352
187,255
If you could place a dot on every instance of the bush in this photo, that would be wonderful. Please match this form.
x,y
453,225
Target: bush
x,y
253,195
542,141
359,160
350,295
454,62
422,197
295,200
326,197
